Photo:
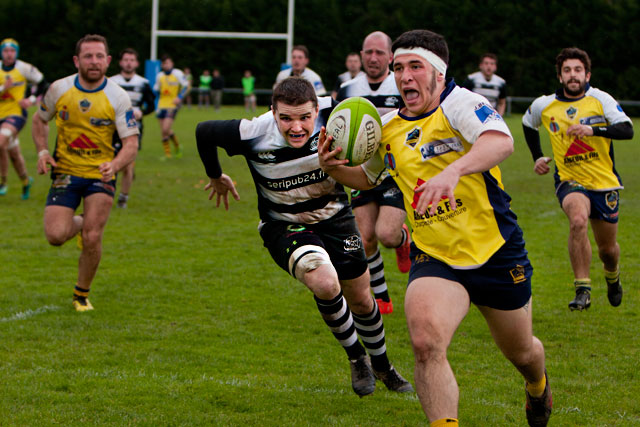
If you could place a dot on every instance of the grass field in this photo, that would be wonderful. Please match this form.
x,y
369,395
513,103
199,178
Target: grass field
x,y
195,325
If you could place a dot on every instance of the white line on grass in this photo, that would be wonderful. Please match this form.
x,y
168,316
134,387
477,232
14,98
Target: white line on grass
x,y
29,313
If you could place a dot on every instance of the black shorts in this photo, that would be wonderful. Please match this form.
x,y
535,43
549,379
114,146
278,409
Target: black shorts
x,y
604,204
339,236
385,194
503,282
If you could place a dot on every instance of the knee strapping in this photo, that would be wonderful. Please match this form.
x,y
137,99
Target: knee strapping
x,y
307,258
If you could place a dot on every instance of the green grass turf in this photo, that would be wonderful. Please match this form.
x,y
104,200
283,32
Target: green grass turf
x,y
195,325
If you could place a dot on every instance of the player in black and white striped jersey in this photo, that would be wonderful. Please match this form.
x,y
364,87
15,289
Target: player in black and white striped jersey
x,y
380,211
143,103
488,84
306,222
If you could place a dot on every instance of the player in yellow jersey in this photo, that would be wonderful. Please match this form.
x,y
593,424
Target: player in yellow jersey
x,y
171,87
89,109
17,78
582,121
443,149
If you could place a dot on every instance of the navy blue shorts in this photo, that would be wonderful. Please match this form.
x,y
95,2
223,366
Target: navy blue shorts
x,y
339,236
503,283
385,194
167,113
17,122
604,204
69,190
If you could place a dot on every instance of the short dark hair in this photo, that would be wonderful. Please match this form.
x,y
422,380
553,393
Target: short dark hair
x,y
91,38
488,55
353,54
128,51
164,57
573,53
294,91
302,48
423,38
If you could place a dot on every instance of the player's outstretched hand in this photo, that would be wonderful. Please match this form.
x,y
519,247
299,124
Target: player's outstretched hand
x,y
44,160
440,187
222,186
541,166
326,156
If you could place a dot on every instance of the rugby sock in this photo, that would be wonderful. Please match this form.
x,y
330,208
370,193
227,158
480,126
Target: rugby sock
x,y
174,139
536,389
337,316
449,422
405,236
612,276
80,294
166,146
377,281
24,179
582,284
371,331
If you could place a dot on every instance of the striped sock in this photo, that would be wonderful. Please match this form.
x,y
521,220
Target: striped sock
x,y
377,281
167,147
337,316
612,276
174,138
582,284
371,330
80,293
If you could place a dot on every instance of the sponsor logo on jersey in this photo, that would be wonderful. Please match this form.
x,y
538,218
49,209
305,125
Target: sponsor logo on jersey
x,y
444,211
391,101
619,108
291,182
612,199
85,105
352,243
437,148
63,114
413,137
267,156
580,151
571,112
130,118
517,274
100,122
83,142
593,120
389,160
553,125
485,112
313,145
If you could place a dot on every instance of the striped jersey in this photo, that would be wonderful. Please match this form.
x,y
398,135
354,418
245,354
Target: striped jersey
x,y
289,182
139,91
86,121
385,96
493,89
309,75
22,74
589,160
415,149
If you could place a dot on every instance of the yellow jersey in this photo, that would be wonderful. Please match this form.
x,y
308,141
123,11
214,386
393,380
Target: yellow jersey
x,y
22,74
170,86
415,149
587,160
86,121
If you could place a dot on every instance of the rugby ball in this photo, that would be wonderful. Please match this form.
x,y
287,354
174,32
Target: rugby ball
x,y
356,127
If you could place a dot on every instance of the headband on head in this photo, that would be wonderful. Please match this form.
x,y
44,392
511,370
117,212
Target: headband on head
x,y
431,57
9,42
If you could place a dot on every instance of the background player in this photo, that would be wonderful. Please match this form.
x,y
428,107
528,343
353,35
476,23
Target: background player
x,y
299,62
487,83
380,211
248,91
171,87
354,65
467,246
15,79
89,109
582,121
143,103
308,227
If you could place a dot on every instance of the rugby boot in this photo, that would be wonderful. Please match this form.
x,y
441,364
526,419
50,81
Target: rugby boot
x,y
582,301
402,253
614,292
362,379
3,189
386,307
81,303
394,381
26,189
538,409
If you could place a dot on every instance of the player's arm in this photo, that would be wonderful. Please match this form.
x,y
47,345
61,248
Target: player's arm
x,y
209,136
622,130
40,134
126,155
532,137
489,150
501,106
148,99
353,177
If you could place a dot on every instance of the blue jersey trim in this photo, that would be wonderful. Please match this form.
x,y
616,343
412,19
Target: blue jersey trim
x,y
500,201
76,83
450,85
560,96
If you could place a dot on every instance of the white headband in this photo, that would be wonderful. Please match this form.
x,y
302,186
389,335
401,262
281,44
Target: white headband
x,y
431,57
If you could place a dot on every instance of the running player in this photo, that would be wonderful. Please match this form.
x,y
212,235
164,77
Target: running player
x,y
488,84
443,149
143,103
582,122
89,109
15,78
171,87
305,220
380,211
